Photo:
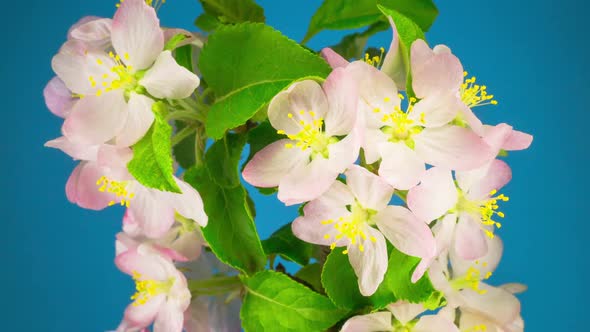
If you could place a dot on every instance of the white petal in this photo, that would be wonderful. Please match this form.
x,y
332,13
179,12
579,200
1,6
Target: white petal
x,y
76,151
307,182
188,204
470,241
484,264
404,311
168,79
434,196
375,322
369,189
139,120
170,318
431,323
136,34
342,94
58,97
400,166
370,264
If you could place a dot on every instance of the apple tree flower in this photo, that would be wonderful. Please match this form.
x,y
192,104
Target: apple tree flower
x,y
323,138
162,295
117,87
357,215
405,319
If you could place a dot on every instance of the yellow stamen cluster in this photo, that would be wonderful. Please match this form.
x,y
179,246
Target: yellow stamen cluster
x,y
117,77
475,95
146,289
471,279
118,188
311,134
484,210
398,123
375,61
352,227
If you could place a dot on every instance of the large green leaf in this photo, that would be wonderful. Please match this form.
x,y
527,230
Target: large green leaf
x,y
246,65
352,14
311,274
353,45
275,302
233,11
152,156
284,243
231,232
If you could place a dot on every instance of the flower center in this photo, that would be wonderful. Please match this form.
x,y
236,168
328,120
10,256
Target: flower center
x,y
484,210
146,289
119,76
352,226
475,95
471,279
117,188
409,327
398,125
311,135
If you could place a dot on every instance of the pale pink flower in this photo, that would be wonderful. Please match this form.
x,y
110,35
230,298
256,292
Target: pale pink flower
x,y
323,139
463,286
162,293
405,319
346,215
102,180
112,85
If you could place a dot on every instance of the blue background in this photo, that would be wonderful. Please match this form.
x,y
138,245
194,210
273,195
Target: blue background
x,y
57,259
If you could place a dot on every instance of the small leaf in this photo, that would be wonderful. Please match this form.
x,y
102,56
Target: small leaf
x,y
152,160
246,65
184,152
223,158
353,46
283,242
275,302
422,12
207,22
398,279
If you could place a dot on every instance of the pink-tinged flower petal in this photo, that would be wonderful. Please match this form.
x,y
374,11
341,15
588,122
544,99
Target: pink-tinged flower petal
x,y
188,204
370,264
517,141
486,263
470,242
96,33
452,147
345,152
310,228
298,100
76,151
495,136
444,231
81,22
369,189
307,182
142,315
170,318
472,120
115,159
124,243
136,34
75,65
377,92
271,164
408,234
514,288
401,167
342,94
149,266
139,120
434,196
433,73
436,110
189,245
393,64
372,141
334,59
168,79
337,197
82,188
378,321
58,97
431,323
497,304
95,120
151,210
498,174
404,311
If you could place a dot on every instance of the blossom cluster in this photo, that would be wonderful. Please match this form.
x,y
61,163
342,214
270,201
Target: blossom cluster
x,y
353,142
111,75
384,155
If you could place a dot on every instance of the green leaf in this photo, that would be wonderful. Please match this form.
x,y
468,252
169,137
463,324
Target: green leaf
x,y
398,279
311,275
343,14
284,243
231,232
353,46
275,302
246,65
184,56
207,22
152,160
233,11
340,282
422,12
173,42
184,152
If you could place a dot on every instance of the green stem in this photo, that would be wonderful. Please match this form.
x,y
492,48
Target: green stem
x,y
200,142
181,135
215,285
186,116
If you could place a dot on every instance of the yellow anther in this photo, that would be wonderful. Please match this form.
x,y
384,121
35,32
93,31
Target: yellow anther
x,y
290,115
475,95
116,188
289,146
344,252
146,289
333,245
281,132
327,236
